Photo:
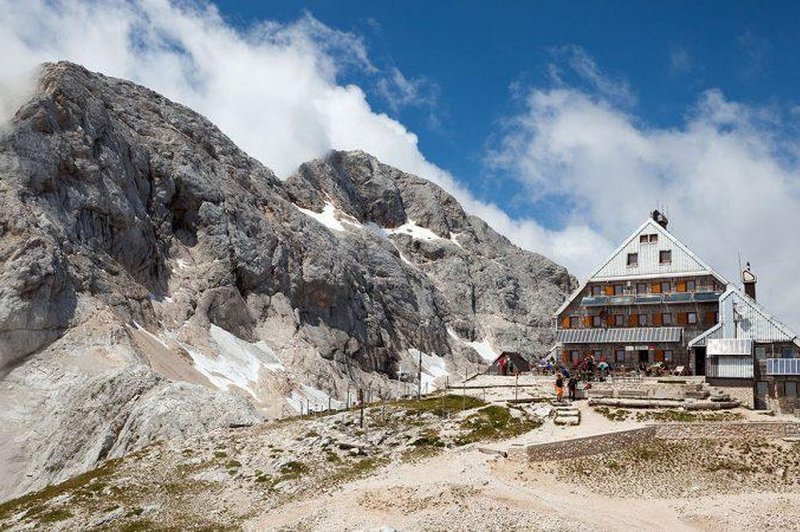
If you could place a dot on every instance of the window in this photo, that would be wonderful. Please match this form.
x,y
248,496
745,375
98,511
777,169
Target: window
x,y
574,322
787,352
668,355
620,355
665,256
643,239
597,321
690,286
666,318
691,317
665,287
633,259
790,389
642,320
597,290
641,288
575,356
597,355
653,238
619,320
617,289
761,353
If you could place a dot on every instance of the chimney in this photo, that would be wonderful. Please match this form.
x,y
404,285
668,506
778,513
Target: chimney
x,y
749,280
659,218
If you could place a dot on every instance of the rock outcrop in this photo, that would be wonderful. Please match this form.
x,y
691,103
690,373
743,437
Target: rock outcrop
x,y
155,281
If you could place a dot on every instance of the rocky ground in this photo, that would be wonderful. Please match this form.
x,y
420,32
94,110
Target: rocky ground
x,y
420,466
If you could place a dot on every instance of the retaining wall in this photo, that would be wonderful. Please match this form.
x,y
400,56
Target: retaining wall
x,y
614,441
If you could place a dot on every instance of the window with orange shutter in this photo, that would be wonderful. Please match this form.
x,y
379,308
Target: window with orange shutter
x,y
633,320
659,355
565,322
655,288
681,286
657,319
681,318
609,290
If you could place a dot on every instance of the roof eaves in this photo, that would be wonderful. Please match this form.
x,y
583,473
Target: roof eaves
x,y
694,341
571,298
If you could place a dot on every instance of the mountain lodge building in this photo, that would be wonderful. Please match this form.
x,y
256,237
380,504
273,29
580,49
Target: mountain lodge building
x,y
644,304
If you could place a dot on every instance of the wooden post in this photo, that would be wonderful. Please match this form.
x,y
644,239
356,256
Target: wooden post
x,y
516,386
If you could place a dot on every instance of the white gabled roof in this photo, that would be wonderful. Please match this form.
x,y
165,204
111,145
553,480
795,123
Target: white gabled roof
x,y
615,267
684,261
755,322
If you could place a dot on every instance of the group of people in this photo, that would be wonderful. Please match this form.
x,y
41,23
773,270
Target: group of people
x,y
571,379
506,366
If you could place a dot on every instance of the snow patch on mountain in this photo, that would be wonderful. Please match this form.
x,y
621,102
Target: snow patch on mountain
x,y
433,370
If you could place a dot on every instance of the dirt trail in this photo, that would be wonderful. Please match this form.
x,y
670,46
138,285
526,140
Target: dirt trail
x,y
468,490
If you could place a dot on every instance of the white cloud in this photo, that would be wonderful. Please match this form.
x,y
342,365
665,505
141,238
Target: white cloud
x,y
400,91
573,60
729,182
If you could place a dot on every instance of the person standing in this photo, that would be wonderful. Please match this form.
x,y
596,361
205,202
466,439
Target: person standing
x,y
572,384
502,363
559,387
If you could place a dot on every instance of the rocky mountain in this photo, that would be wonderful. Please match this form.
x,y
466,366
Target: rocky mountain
x,y
157,282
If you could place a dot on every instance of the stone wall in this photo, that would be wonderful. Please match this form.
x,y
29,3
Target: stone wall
x,y
560,450
614,441
726,430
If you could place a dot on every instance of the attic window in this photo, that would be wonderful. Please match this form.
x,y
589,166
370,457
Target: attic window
x,y
633,259
648,239
665,256
653,238
643,239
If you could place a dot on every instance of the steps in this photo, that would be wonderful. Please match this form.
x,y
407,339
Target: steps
x,y
566,415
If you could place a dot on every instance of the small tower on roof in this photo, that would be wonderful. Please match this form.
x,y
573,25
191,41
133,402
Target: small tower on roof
x,y
659,218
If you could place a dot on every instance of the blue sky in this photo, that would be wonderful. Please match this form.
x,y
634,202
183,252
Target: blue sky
x,y
477,57
562,124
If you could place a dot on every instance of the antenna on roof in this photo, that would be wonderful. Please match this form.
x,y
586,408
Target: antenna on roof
x,y
739,257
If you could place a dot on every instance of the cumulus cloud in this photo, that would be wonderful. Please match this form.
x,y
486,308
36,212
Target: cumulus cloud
x,y
729,182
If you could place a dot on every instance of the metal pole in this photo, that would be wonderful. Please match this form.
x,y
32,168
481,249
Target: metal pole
x,y
361,402
464,391
347,404
419,378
